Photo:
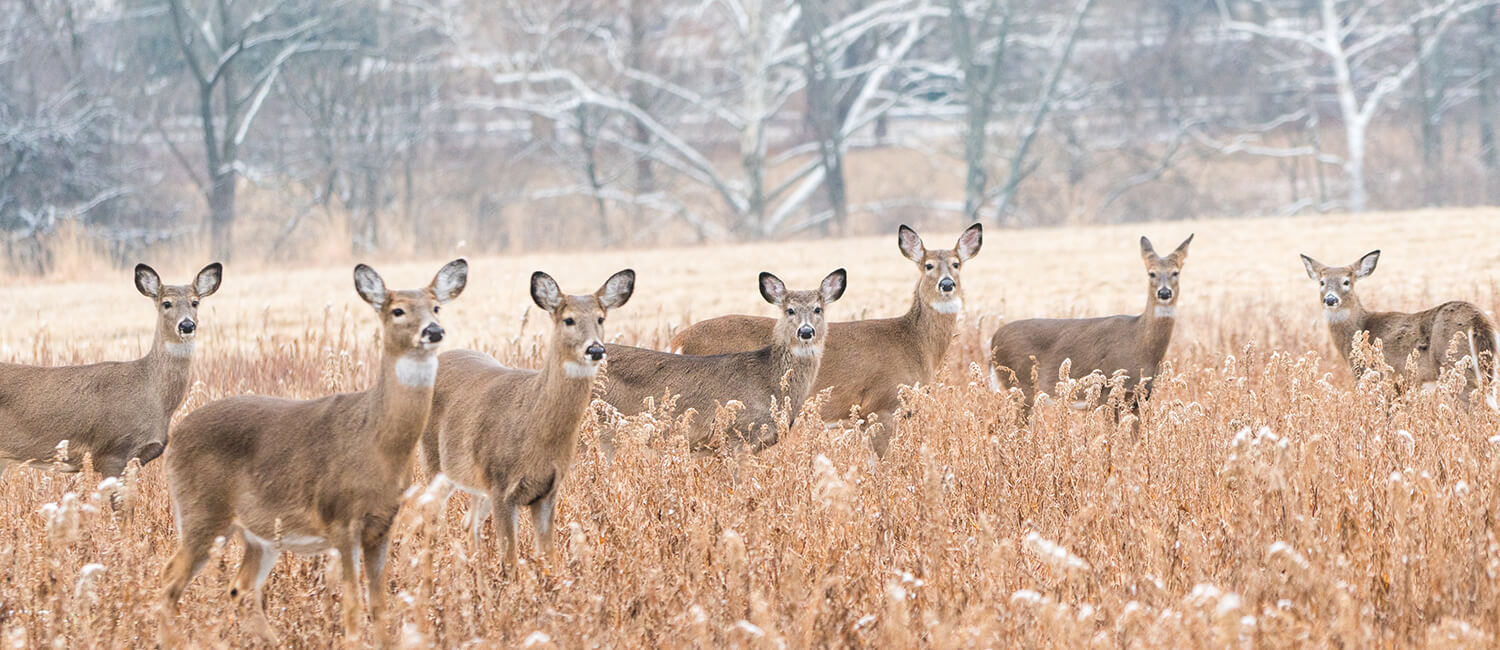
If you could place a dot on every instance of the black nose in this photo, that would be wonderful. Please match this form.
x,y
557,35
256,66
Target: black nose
x,y
1331,300
595,352
806,332
432,333
1164,293
187,327
946,284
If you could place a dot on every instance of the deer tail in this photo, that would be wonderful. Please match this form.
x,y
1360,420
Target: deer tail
x,y
1483,345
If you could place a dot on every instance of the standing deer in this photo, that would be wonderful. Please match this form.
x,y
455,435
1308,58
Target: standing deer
x,y
113,411
867,362
1135,344
310,476
1428,333
507,436
755,379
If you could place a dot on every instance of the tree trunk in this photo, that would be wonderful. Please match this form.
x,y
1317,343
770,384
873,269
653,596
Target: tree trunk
x,y
1487,107
1354,164
976,180
221,215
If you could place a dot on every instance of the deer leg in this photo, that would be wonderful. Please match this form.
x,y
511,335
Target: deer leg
x,y
505,524
255,567
349,577
198,534
479,511
542,512
375,549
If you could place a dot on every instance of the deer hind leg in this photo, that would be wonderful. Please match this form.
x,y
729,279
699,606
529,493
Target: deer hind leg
x,y
198,534
255,567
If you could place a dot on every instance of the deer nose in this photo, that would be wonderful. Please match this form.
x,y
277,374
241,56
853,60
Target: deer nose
x,y
433,333
1331,300
946,285
595,352
806,332
1163,294
187,327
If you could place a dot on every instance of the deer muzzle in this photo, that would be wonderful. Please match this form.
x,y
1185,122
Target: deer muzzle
x,y
432,334
1331,299
595,352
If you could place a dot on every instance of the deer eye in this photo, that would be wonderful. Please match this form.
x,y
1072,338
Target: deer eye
x,y
929,266
955,265
166,305
817,310
601,320
436,309
569,322
398,312
1174,275
791,312
1346,282
195,304
1151,274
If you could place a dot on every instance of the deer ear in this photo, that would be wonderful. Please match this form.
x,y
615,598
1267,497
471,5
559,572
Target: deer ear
x,y
969,242
544,291
833,286
369,286
147,281
617,289
772,288
1313,266
450,280
1148,252
1367,264
910,243
208,280
1180,254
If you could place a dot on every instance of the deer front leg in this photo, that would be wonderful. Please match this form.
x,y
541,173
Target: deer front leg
x,y
542,513
349,577
375,550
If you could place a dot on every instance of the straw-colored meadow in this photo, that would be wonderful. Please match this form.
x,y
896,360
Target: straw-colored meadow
x,y
1265,499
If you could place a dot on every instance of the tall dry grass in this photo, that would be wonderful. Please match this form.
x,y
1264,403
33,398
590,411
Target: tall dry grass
x,y
1266,499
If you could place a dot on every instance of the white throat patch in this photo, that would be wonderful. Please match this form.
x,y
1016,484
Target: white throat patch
x,y
180,350
576,370
417,370
1335,315
1166,311
806,350
948,305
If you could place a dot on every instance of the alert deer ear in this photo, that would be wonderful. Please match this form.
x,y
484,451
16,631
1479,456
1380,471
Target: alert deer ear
x,y
910,244
450,280
1367,264
1148,252
545,292
969,242
617,289
1180,254
369,286
833,286
1313,266
208,280
772,288
147,281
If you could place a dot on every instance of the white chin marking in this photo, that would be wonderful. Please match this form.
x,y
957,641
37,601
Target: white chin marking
x,y
417,371
180,350
1166,311
806,350
948,305
577,370
1335,315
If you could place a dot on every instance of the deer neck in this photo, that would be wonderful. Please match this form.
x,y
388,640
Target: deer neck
x,y
1344,322
1156,326
797,365
169,366
562,389
929,329
400,402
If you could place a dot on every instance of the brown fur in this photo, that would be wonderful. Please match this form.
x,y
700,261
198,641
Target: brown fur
x,y
508,436
866,362
1428,332
754,378
1135,344
113,411
310,475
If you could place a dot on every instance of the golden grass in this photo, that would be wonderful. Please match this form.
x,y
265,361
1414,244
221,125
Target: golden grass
x,y
1265,500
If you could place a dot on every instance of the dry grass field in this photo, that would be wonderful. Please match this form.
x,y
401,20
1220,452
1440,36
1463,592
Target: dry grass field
x,y
1266,499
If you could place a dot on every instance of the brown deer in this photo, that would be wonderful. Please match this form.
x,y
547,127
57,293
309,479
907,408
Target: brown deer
x,y
1135,344
867,362
112,411
755,378
310,476
507,436
1428,333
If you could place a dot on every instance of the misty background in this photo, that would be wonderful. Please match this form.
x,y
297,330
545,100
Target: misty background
x,y
295,130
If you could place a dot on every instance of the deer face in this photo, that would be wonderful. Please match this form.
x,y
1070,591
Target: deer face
x,y
940,286
802,324
1336,283
1162,272
177,305
578,321
409,318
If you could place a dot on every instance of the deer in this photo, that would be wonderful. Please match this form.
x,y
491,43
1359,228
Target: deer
x,y
508,436
1428,334
1136,344
113,411
310,476
755,379
866,362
